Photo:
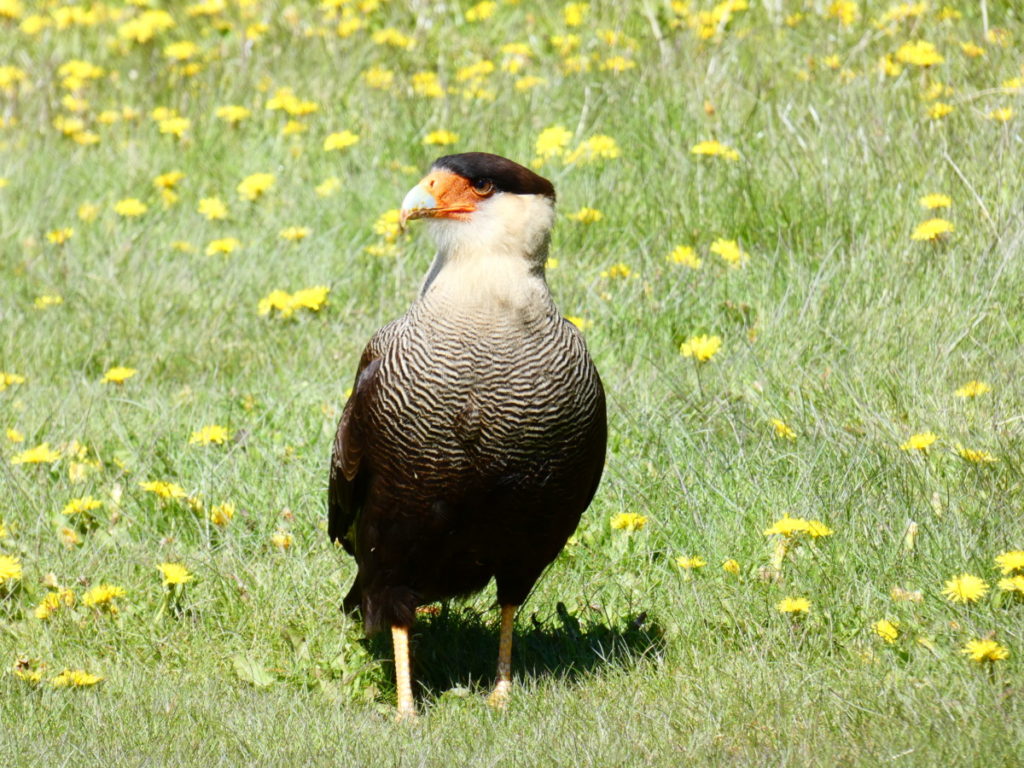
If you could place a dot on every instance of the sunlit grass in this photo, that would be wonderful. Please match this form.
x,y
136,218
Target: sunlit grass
x,y
197,243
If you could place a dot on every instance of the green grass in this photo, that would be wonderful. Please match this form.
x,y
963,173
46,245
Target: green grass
x,y
838,324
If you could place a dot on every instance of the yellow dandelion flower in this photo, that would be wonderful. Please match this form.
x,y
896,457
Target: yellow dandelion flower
x,y
618,271
845,10
10,379
427,84
685,256
340,140
41,454
985,650
15,436
379,78
714,149
174,573
102,594
783,430
575,13
163,489
1010,561
130,207
225,245
920,53
934,201
293,128
174,126
213,208
80,506
10,569
68,537
730,252
701,348
965,588
118,374
254,186
294,234
222,514
731,566
689,563
328,187
931,230
214,434
1012,584
1000,115
939,110
481,11
794,605
627,521
921,441
887,630
394,38
617,64
975,457
440,138
75,678
552,142
973,389
597,147
232,114
60,236
528,82
53,602
282,540
586,215
88,212
47,300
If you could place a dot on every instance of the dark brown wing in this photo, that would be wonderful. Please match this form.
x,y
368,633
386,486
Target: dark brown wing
x,y
346,488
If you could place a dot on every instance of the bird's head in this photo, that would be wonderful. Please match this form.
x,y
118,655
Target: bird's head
x,y
480,204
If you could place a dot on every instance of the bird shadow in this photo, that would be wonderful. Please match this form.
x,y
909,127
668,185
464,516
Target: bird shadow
x,y
456,647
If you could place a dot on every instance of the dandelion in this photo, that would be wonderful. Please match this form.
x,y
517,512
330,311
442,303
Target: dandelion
x,y
932,230
714,149
163,489
975,457
939,110
379,78
213,208
328,187
586,215
1000,115
392,37
174,573
41,454
60,236
174,126
294,234
75,678
783,430
1010,561
575,13
232,114
920,53
68,537
701,348
618,271
481,11
118,374
252,187
887,630
222,514
973,389
627,521
985,650
53,602
214,434
87,212
282,540
552,142
340,140
685,256
731,566
965,588
530,81
286,304
130,207
224,245
14,435
10,569
102,595
921,441
81,506
597,147
47,300
795,605
932,202
9,379
427,84
730,252
440,138
1012,584
689,563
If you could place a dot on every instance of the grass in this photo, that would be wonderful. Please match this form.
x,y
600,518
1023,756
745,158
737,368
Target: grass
x,y
839,324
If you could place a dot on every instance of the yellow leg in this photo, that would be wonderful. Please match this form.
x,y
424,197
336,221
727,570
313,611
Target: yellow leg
x,y
499,696
403,678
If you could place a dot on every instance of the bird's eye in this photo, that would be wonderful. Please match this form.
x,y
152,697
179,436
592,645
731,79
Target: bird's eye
x,y
483,187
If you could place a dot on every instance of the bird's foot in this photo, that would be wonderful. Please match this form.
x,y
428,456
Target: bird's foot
x,y
407,714
500,695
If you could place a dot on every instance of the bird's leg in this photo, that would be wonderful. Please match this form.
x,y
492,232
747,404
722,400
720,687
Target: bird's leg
x,y
499,696
403,678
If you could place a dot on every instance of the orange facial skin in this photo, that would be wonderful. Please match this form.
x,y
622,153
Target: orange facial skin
x,y
442,194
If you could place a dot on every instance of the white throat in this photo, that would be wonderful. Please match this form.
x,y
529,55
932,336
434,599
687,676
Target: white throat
x,y
496,259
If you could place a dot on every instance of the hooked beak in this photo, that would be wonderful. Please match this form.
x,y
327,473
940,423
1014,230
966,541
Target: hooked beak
x,y
441,194
416,205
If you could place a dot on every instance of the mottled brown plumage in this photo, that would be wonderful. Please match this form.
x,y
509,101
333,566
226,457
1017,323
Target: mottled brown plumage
x,y
475,434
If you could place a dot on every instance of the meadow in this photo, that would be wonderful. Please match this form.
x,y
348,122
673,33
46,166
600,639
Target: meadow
x,y
792,234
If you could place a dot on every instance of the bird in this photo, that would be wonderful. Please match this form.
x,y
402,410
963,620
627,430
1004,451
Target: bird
x,y
475,434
